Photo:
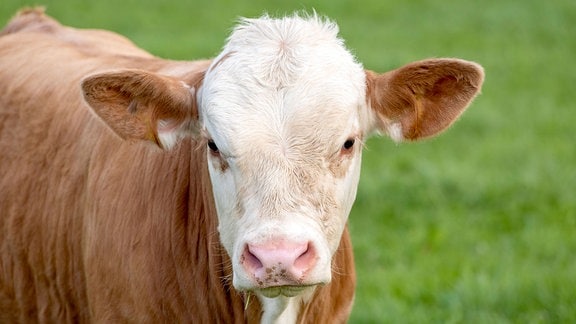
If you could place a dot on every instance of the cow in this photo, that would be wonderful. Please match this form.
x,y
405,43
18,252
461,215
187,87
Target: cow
x,y
140,189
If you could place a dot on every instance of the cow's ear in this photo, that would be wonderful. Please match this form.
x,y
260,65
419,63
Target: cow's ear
x,y
142,105
423,98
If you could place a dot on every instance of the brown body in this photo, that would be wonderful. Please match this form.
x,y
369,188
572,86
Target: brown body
x,y
96,229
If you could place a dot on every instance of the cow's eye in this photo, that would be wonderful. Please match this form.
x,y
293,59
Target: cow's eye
x,y
213,148
348,144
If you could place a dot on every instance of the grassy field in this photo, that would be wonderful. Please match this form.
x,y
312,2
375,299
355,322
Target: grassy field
x,y
476,226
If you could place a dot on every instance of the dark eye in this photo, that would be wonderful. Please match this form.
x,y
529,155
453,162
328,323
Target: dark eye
x,y
212,146
348,144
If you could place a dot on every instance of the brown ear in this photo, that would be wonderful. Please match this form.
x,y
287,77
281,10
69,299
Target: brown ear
x,y
423,98
142,105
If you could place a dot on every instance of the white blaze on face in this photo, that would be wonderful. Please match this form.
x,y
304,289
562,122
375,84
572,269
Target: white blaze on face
x,y
282,104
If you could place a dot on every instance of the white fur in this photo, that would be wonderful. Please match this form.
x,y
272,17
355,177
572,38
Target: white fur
x,y
395,132
168,138
279,102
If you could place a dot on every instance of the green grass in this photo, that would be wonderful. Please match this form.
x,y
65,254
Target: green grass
x,y
476,226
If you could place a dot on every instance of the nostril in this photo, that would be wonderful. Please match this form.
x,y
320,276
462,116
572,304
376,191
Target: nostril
x,y
250,260
307,259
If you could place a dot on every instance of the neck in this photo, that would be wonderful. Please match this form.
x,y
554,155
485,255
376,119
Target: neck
x,y
283,309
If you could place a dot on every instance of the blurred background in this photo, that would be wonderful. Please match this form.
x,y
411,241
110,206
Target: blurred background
x,y
475,226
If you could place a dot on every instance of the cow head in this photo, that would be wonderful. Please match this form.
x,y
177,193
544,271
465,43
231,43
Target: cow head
x,y
284,111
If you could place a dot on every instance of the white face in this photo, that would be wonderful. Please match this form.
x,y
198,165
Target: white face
x,y
283,115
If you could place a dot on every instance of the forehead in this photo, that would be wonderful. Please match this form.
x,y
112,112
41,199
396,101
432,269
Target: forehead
x,y
278,75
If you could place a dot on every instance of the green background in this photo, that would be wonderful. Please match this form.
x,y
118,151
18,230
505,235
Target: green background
x,y
475,226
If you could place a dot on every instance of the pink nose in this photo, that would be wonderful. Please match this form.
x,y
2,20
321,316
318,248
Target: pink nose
x,y
279,263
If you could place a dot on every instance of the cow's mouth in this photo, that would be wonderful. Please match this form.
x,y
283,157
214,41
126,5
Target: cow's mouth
x,y
288,291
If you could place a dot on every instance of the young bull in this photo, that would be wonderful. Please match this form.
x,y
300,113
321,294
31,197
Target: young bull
x,y
240,217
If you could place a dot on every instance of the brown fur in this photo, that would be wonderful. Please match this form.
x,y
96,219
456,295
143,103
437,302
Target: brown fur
x,y
96,229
